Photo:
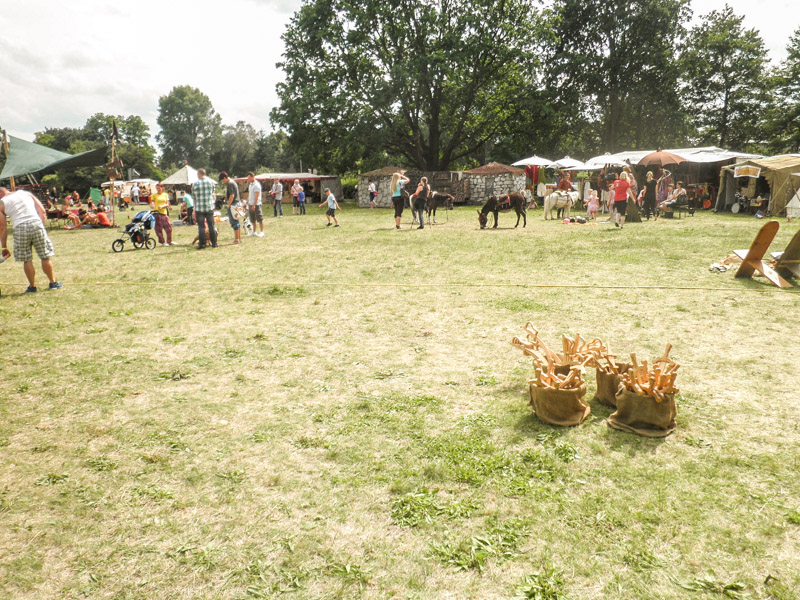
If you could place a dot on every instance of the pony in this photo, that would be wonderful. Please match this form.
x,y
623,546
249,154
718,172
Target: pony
x,y
505,203
559,200
410,202
435,199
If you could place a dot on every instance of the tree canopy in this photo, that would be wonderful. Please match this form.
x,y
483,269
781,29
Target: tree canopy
x,y
783,120
191,130
724,66
612,64
428,82
133,148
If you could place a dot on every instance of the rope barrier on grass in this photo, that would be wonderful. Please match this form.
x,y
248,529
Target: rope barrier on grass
x,y
417,285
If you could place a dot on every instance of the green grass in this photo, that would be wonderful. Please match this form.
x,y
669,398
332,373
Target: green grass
x,y
338,413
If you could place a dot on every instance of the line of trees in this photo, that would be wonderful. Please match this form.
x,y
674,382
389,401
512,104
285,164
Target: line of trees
x,y
440,84
191,131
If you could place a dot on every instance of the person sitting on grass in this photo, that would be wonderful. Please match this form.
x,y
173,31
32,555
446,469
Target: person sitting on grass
x,y
100,218
76,220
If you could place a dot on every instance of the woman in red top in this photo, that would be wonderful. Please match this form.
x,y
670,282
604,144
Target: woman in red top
x,y
622,191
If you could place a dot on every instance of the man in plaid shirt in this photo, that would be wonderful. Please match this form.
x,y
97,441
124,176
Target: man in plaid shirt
x,y
203,192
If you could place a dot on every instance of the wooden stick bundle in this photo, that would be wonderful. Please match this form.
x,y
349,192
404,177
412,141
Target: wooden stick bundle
x,y
655,381
574,350
545,360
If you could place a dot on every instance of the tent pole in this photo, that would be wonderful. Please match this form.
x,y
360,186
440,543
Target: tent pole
x,y
5,147
113,177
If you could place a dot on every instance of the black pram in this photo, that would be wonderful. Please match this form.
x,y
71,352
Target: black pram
x,y
138,232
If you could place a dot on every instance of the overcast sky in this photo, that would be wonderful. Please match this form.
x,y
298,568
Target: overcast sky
x,y
61,61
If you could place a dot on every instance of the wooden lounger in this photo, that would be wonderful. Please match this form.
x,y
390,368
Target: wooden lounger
x,y
788,261
752,259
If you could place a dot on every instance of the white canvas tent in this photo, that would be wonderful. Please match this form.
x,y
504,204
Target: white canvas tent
x,y
705,154
534,161
570,164
186,175
793,206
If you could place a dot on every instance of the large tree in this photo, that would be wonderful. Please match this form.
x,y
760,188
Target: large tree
x,y
611,69
273,152
724,66
190,127
236,149
428,82
783,120
133,145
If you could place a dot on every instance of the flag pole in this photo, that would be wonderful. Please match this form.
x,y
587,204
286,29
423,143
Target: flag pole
x,y
113,177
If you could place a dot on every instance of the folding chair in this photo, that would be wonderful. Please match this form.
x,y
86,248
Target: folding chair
x,y
752,259
788,261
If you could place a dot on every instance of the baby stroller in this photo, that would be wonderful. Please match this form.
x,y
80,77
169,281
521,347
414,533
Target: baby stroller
x,y
138,232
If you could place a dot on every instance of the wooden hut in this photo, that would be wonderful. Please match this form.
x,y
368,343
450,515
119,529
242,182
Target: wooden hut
x,y
494,178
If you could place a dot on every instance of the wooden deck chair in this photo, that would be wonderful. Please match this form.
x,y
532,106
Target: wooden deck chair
x,y
752,259
788,261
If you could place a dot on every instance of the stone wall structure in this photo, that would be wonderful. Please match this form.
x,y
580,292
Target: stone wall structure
x,y
494,178
471,187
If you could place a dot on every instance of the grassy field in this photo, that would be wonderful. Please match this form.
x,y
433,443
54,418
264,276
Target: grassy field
x,y
338,413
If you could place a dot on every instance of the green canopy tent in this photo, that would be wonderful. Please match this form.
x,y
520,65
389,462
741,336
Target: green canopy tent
x,y
27,158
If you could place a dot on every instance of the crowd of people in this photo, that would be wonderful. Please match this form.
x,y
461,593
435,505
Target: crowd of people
x,y
618,191
75,212
248,212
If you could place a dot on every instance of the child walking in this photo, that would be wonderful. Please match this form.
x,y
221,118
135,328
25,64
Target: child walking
x,y
333,206
593,205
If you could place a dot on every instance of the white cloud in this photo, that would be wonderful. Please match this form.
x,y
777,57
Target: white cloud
x,y
775,20
60,62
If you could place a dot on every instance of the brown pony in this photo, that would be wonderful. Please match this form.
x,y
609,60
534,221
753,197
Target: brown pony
x,y
505,203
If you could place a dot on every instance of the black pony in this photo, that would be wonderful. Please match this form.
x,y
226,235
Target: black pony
x,y
505,203
436,199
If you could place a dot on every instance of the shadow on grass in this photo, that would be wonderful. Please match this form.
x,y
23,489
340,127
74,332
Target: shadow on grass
x,y
630,443
531,426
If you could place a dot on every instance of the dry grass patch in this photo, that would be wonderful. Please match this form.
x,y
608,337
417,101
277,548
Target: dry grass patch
x,y
338,413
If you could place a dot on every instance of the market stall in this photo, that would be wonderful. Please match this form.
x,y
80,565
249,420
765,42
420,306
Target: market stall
x,y
771,179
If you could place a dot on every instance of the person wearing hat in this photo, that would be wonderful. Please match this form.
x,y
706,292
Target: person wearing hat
x,y
28,218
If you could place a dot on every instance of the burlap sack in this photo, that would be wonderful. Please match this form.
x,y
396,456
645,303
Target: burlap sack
x,y
642,415
560,407
607,385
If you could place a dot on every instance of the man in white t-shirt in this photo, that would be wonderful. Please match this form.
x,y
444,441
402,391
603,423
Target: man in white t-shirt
x,y
135,193
277,198
254,205
28,218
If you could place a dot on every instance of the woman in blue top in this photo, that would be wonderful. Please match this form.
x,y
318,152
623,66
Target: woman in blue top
x,y
398,183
